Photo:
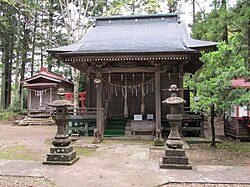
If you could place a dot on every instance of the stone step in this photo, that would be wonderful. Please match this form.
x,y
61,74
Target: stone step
x,y
36,121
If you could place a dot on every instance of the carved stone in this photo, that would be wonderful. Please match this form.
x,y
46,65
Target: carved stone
x,y
175,157
62,153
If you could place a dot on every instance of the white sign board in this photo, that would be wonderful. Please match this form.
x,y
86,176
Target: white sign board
x,y
242,111
137,117
150,116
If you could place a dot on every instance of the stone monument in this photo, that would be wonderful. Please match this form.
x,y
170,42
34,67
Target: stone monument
x,y
62,153
175,157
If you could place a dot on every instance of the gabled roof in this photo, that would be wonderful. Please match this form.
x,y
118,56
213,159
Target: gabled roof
x,y
44,73
136,34
125,38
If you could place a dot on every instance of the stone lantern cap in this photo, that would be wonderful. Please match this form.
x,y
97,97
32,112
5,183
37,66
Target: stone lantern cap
x,y
61,102
174,99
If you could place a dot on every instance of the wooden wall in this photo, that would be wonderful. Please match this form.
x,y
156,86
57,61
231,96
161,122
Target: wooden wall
x,y
236,129
114,94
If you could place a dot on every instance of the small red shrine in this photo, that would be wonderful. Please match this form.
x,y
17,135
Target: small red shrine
x,y
42,89
237,125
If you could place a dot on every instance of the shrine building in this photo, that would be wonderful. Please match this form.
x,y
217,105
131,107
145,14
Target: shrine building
x,y
128,61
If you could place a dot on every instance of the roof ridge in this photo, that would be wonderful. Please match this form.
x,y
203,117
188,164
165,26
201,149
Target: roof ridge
x,y
137,16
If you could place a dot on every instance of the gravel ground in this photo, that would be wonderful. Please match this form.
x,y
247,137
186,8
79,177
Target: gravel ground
x,y
9,181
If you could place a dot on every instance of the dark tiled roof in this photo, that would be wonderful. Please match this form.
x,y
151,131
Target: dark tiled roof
x,y
136,34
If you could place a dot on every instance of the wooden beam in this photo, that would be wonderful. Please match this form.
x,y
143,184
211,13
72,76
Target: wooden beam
x,y
128,69
29,101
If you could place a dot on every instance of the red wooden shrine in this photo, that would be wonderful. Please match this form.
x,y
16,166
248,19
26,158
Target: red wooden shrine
x,y
237,125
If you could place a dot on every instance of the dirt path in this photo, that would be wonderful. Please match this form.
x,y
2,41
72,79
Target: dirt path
x,y
111,163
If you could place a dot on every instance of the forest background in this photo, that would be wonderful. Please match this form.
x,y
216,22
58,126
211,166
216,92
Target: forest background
x,y
29,27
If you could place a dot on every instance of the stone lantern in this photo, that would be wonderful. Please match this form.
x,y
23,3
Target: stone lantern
x,y
175,157
62,153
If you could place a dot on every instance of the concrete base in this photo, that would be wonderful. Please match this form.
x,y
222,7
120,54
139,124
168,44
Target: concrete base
x,y
175,159
158,142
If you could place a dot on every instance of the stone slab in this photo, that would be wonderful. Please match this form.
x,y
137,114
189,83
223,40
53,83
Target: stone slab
x,y
209,174
225,174
182,176
175,166
193,140
20,168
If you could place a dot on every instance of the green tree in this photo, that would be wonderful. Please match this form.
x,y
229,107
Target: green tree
x,y
212,81
135,7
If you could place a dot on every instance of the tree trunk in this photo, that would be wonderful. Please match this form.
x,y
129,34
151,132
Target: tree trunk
x,y
193,4
17,54
213,143
225,29
5,95
248,37
9,67
49,59
25,45
3,106
33,46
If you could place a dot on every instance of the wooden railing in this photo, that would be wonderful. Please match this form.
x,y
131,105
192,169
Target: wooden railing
x,y
90,112
82,111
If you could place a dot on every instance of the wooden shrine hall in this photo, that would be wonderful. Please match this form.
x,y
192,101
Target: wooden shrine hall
x,y
129,61
42,89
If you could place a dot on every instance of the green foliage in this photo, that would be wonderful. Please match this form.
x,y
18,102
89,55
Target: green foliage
x,y
232,147
213,80
135,7
15,105
6,114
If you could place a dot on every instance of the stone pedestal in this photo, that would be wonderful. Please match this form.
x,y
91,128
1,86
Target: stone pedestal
x,y
61,156
175,159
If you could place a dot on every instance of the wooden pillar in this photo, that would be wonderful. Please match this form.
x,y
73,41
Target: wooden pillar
x,y
181,74
99,103
50,99
158,140
143,95
181,92
29,101
125,99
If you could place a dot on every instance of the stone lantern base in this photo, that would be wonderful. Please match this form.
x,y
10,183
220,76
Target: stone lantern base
x,y
61,156
175,159
158,142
